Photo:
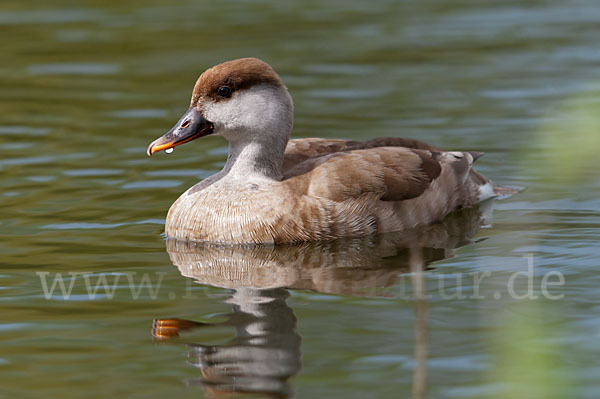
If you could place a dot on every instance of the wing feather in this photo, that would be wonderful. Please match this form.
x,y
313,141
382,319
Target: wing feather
x,y
391,173
299,150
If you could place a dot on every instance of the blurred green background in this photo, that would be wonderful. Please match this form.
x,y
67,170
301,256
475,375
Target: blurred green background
x,y
87,85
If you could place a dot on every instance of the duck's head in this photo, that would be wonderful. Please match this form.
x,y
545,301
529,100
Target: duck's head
x,y
241,100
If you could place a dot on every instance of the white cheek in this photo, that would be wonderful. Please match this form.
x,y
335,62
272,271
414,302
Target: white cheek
x,y
226,115
252,109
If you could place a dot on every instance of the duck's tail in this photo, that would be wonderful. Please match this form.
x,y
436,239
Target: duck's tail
x,y
502,191
487,189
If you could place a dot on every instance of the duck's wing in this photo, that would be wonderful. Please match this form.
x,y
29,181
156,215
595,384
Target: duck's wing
x,y
299,150
387,173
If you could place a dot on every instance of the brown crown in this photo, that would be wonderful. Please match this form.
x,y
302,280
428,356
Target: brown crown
x,y
236,74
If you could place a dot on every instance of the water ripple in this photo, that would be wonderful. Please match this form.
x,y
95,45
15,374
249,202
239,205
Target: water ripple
x,y
184,172
13,326
93,172
95,226
140,113
153,184
23,130
27,160
74,68
49,16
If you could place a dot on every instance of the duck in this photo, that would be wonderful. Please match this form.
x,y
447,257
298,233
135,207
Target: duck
x,y
275,190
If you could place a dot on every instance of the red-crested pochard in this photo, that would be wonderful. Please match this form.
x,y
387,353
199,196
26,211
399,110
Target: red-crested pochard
x,y
276,190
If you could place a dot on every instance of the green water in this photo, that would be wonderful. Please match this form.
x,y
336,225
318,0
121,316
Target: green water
x,y
87,85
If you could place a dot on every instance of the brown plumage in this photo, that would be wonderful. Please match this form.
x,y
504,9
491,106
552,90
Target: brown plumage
x,y
272,190
237,75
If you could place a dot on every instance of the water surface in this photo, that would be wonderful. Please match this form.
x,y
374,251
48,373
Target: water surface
x,y
87,85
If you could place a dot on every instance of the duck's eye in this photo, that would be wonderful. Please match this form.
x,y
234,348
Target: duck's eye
x,y
224,92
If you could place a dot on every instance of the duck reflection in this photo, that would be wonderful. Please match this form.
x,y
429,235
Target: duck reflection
x,y
262,356
266,350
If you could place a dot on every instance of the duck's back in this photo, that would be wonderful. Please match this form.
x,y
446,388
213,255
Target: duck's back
x,y
299,150
381,185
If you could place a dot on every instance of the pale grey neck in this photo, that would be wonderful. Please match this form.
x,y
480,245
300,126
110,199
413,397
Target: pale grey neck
x,y
257,122
255,159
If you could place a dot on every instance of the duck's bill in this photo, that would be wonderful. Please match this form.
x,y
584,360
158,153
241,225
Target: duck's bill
x,y
191,126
